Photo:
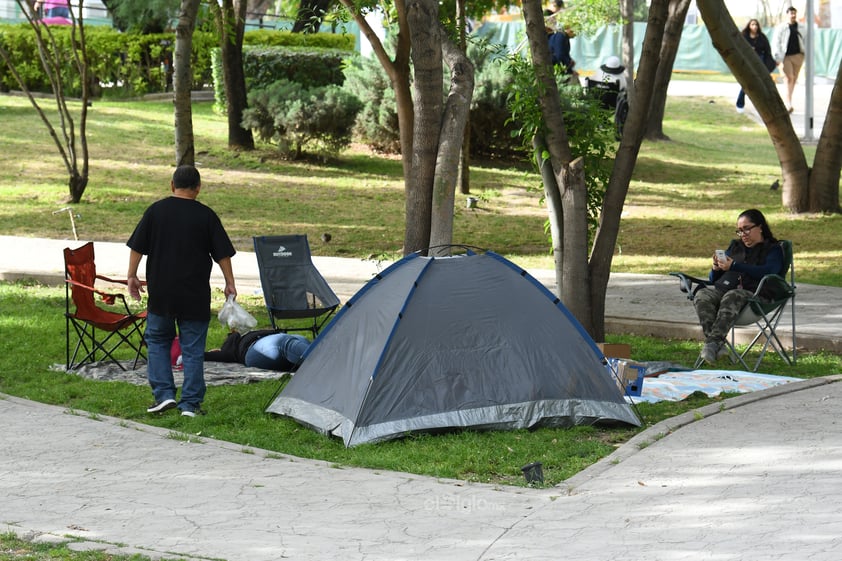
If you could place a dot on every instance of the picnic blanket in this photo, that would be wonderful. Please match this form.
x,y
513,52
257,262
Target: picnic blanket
x,y
216,373
678,385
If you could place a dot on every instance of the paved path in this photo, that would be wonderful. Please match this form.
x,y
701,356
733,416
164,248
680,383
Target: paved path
x,y
635,304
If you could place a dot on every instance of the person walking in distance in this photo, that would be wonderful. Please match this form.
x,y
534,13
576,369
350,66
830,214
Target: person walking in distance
x,y
789,51
181,238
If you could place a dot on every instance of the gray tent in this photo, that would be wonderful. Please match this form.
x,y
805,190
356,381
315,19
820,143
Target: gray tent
x,y
435,343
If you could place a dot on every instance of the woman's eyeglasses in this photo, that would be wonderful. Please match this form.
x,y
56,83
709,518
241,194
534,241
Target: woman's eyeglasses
x,y
745,231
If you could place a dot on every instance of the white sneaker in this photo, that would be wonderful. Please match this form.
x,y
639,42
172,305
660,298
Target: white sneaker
x,y
741,110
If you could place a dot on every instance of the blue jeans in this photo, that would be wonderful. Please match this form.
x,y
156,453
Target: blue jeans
x,y
280,351
160,332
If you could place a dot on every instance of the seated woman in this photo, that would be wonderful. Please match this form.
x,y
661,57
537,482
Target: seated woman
x,y
736,276
267,349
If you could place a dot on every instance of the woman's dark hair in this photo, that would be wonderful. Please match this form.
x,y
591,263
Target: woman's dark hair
x,y
747,28
758,219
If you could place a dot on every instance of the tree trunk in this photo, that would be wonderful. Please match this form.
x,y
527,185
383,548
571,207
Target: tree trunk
x,y
232,23
824,179
575,292
185,152
399,76
554,157
54,68
310,15
425,36
465,157
454,120
605,240
552,196
669,49
752,75
627,13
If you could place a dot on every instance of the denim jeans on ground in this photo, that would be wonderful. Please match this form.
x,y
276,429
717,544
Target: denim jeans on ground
x,y
192,335
280,351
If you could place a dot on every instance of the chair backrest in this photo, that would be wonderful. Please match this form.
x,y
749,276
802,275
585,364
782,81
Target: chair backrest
x,y
607,92
79,266
292,286
786,247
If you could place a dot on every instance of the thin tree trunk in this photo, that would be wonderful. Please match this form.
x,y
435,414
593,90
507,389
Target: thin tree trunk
x,y
454,120
465,157
552,197
232,28
618,186
669,50
185,152
824,179
753,76
425,36
399,76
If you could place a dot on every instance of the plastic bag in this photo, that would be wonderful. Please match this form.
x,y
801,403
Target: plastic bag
x,y
235,317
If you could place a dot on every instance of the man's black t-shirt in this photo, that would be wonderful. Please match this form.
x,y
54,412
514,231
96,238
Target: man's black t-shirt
x,y
180,238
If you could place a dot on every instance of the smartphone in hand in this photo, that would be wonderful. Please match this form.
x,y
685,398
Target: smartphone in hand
x,y
720,255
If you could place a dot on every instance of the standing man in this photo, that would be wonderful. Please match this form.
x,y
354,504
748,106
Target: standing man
x,y
789,50
559,43
181,238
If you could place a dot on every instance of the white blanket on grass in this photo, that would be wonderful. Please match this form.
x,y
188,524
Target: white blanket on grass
x,y
675,386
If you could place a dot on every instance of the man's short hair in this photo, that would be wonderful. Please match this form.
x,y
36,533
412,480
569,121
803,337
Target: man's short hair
x,y
791,9
186,177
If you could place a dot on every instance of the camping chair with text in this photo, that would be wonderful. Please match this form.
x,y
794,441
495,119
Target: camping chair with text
x,y
762,313
293,288
612,99
120,329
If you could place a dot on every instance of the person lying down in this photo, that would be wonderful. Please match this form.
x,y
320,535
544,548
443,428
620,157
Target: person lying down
x,y
266,348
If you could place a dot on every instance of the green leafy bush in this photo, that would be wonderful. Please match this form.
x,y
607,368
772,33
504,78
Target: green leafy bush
x,y
491,130
296,117
377,122
263,66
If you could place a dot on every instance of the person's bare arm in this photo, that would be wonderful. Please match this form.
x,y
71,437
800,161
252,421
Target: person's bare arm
x,y
228,273
132,282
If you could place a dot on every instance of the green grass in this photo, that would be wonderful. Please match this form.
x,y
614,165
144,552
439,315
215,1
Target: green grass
x,y
683,203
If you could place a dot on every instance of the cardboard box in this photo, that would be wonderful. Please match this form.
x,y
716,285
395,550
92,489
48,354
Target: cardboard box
x,y
615,350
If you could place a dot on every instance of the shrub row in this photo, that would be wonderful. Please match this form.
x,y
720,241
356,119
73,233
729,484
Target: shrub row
x,y
129,64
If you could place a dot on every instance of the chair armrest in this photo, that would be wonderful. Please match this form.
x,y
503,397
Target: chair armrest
x,y
107,297
776,283
690,285
117,281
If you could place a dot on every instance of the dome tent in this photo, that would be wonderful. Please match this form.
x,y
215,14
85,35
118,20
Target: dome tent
x,y
437,343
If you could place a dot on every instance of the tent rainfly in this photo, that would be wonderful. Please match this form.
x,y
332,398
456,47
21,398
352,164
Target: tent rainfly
x,y
440,343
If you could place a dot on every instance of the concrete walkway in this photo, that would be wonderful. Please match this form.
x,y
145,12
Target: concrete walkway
x,y
635,304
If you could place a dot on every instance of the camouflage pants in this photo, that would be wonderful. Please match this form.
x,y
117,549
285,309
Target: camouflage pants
x,y
717,311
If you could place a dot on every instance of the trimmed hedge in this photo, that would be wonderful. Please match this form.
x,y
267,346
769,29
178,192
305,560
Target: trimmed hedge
x,y
130,64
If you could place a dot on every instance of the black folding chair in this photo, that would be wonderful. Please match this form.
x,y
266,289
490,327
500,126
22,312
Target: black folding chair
x,y
293,288
612,99
760,312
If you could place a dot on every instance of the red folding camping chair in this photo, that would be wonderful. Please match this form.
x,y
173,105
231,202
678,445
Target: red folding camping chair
x,y
120,327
